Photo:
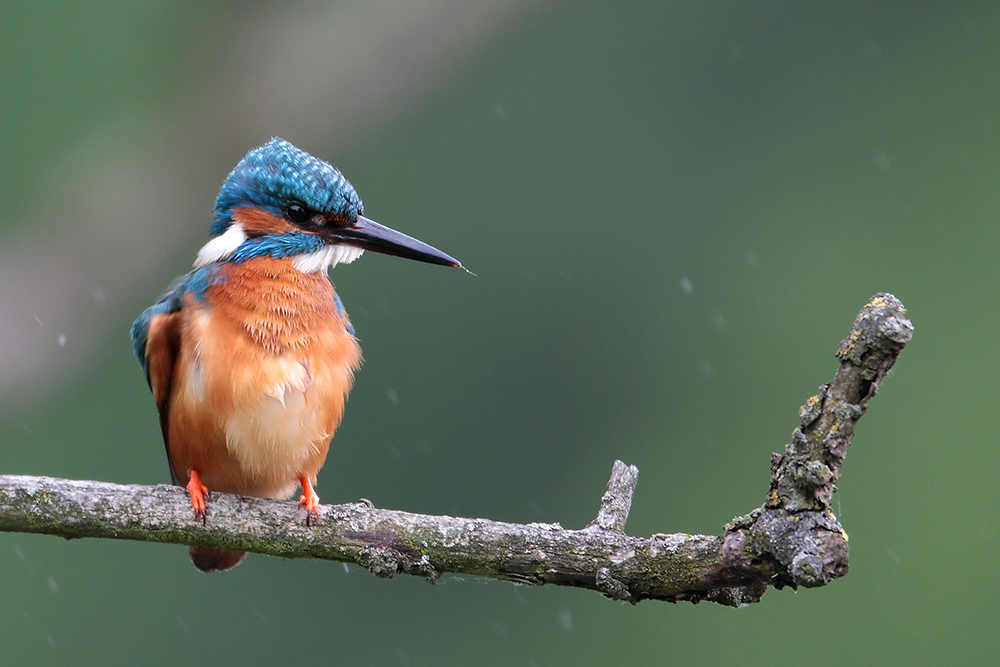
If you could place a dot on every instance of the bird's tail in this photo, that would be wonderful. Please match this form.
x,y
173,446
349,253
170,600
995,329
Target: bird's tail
x,y
208,559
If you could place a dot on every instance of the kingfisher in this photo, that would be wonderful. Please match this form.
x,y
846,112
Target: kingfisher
x,y
251,355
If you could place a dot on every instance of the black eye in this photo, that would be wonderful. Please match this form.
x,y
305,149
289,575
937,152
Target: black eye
x,y
297,213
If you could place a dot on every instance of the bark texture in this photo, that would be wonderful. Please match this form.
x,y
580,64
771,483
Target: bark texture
x,y
794,539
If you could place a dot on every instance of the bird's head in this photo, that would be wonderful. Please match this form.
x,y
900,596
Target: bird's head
x,y
280,201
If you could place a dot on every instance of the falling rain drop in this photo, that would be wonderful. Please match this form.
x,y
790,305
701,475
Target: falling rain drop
x,y
882,160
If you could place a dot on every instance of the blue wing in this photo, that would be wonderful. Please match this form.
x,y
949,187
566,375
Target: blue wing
x,y
195,283
156,341
169,303
339,305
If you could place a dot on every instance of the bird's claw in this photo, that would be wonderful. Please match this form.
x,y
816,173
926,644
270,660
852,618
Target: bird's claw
x,y
310,500
199,493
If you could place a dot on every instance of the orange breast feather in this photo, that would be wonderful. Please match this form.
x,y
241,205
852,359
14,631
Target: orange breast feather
x,y
262,372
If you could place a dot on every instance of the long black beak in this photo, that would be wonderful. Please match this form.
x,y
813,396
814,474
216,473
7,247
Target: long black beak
x,y
370,235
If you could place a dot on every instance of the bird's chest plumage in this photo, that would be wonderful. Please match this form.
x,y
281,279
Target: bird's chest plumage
x,y
264,367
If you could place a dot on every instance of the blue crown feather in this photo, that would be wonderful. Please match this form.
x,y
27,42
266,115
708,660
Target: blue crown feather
x,y
277,173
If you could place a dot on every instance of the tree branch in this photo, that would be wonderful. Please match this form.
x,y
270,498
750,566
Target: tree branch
x,y
792,540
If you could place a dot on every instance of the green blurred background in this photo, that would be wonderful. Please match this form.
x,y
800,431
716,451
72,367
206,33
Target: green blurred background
x,y
675,210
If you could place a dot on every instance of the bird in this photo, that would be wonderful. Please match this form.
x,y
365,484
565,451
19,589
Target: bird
x,y
250,356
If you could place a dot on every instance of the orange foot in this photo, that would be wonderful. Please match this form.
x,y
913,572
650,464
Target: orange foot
x,y
309,499
198,493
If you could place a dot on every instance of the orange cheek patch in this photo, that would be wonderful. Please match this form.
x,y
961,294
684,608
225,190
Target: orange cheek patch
x,y
257,222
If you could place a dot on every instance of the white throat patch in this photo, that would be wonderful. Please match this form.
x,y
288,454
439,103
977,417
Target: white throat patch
x,y
221,246
326,258
226,244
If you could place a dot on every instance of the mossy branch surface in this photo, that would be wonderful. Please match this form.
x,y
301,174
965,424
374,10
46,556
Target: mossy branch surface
x,y
792,540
